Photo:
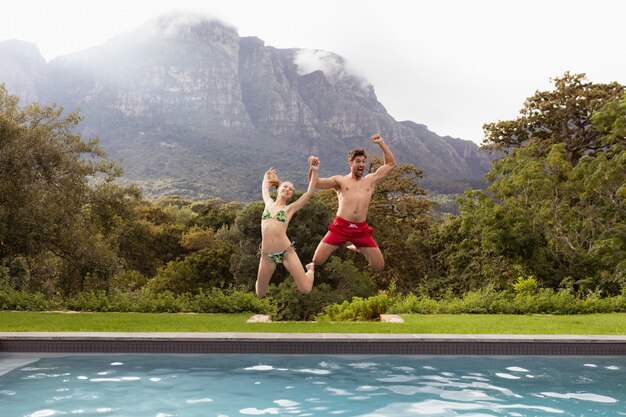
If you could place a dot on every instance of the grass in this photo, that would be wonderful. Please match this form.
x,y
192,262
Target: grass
x,y
591,324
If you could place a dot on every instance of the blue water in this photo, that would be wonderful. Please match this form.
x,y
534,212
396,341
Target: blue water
x,y
244,385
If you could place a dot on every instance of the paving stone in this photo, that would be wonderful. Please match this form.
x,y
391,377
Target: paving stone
x,y
391,318
260,318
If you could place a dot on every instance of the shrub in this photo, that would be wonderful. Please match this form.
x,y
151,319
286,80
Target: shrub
x,y
89,301
350,280
359,309
291,305
412,303
216,300
286,303
202,269
129,280
489,301
164,302
24,301
525,286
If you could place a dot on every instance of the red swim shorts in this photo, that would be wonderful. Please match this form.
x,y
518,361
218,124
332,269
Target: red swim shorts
x,y
341,231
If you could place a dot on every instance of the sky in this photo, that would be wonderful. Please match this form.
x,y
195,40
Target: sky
x,y
452,65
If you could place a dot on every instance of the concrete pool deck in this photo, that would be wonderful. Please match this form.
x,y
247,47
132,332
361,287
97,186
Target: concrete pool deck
x,y
311,343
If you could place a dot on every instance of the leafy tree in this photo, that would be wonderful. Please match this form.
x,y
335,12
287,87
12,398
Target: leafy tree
x,y
245,235
563,115
215,213
58,199
611,123
145,246
201,270
555,206
198,238
460,259
400,215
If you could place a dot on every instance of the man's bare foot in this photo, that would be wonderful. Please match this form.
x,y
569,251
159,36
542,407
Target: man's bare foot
x,y
353,248
310,267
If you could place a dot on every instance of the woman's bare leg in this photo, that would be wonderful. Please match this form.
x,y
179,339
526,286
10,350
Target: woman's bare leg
x,y
266,270
304,281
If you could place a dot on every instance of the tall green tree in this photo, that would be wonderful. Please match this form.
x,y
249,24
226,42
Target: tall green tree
x,y
555,206
58,200
400,213
562,115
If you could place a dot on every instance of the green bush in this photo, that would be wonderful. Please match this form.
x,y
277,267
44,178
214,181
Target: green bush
x,y
24,301
413,303
489,301
348,279
291,305
358,309
545,301
286,303
473,302
89,301
216,300
525,285
342,281
163,302
129,280
203,269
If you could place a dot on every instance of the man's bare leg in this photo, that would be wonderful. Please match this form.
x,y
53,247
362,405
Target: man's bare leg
x,y
373,255
323,251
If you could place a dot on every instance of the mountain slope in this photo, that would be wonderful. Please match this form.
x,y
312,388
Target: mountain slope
x,y
193,109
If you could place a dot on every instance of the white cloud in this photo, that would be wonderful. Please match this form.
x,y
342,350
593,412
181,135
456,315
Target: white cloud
x,y
334,67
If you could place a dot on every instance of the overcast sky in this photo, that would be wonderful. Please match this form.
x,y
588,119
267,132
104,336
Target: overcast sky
x,y
452,65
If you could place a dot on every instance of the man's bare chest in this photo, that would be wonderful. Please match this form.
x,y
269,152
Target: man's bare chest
x,y
355,188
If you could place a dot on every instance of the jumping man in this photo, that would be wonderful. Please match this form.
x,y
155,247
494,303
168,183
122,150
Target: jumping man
x,y
354,192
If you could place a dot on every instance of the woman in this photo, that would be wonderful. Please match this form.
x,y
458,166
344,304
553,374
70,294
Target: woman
x,y
276,248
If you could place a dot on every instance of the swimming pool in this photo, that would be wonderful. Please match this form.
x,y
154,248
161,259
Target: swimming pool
x,y
313,385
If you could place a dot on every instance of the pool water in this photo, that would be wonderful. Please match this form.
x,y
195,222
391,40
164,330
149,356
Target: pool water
x,y
293,385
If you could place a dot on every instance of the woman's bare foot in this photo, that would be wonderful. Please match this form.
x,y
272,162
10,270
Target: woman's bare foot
x,y
353,248
310,272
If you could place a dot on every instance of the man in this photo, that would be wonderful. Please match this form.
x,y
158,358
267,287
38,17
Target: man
x,y
354,192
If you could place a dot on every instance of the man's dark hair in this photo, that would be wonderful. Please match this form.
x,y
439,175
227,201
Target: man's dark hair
x,y
356,152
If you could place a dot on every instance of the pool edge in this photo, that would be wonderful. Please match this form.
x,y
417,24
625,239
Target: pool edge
x,y
300,343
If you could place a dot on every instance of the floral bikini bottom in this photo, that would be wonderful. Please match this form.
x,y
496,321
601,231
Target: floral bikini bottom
x,y
278,257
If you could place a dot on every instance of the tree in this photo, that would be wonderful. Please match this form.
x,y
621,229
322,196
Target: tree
x,y
563,115
201,270
215,213
58,200
400,215
555,208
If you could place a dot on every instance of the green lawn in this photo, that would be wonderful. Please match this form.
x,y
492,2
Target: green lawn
x,y
591,324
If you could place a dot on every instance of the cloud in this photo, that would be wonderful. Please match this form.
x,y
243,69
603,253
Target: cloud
x,y
334,67
171,26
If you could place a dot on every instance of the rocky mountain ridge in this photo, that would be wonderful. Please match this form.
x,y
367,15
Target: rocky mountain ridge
x,y
192,108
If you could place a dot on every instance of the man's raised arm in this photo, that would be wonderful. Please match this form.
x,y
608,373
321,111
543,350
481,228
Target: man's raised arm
x,y
388,158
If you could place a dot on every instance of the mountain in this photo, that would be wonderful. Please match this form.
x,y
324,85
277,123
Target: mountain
x,y
191,108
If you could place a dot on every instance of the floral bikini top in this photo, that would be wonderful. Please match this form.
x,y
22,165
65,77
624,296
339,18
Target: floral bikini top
x,y
280,215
